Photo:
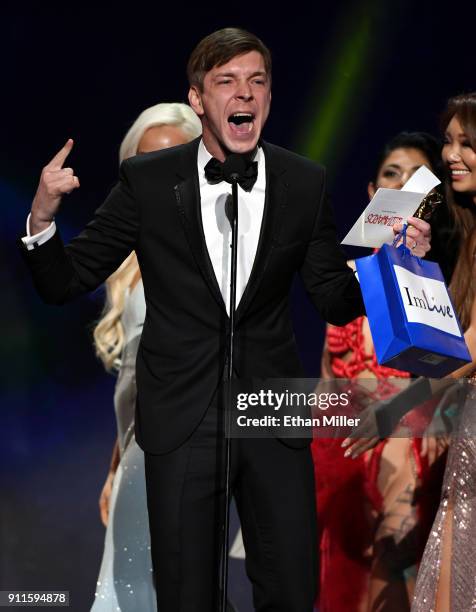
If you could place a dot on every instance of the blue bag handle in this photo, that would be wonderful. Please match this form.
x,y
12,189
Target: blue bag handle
x,y
405,250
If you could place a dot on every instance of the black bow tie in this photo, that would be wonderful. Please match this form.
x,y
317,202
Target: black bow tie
x,y
214,173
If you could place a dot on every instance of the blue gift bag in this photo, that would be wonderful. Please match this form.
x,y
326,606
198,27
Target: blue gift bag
x,y
412,320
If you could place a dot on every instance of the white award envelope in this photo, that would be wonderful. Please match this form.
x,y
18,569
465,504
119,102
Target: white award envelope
x,y
389,206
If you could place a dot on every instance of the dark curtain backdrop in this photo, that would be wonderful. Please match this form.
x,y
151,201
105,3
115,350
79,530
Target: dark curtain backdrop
x,y
347,77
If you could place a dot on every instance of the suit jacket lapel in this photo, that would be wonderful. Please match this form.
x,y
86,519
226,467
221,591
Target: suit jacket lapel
x,y
187,195
274,208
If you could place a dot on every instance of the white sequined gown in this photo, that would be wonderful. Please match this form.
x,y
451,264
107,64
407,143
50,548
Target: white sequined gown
x,y
459,493
125,582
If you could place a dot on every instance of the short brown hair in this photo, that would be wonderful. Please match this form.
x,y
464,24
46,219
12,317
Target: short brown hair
x,y
219,48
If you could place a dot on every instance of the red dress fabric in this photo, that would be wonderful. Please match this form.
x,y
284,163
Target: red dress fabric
x,y
346,489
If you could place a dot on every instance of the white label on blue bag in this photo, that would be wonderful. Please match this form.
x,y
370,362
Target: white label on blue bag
x,y
426,301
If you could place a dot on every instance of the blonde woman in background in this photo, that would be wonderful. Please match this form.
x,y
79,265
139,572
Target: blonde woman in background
x,y
126,580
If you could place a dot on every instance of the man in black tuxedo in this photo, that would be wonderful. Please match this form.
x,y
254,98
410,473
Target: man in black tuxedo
x,y
169,206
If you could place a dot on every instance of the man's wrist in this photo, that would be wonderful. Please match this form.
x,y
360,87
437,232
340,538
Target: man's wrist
x,y
37,224
35,238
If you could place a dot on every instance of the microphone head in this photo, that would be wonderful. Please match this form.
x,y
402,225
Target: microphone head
x,y
234,167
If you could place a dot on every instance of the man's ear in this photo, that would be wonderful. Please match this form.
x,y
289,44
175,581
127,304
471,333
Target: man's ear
x,y
195,100
371,190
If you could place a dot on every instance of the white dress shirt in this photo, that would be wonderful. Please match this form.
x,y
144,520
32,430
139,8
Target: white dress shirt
x,y
217,229
216,226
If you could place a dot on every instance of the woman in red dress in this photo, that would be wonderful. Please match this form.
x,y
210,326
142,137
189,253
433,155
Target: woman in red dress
x,y
373,525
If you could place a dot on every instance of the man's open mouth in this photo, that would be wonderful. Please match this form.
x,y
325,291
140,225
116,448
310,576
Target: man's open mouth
x,y
241,123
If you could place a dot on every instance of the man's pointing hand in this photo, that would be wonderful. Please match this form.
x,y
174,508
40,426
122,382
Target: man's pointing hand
x,y
55,181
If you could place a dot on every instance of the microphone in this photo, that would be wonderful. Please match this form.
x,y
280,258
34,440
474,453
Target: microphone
x,y
234,168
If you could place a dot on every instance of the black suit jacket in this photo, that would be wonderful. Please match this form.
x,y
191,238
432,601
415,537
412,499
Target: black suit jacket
x,y
155,209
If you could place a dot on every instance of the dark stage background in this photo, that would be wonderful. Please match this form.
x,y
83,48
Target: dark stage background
x,y
347,76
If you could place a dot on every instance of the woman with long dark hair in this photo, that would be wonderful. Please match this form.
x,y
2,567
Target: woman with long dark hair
x,y
446,580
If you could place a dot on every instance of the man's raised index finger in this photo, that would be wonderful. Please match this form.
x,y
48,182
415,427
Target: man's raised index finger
x,y
60,157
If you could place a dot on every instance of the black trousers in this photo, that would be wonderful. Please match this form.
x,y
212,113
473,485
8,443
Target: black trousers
x,y
273,486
